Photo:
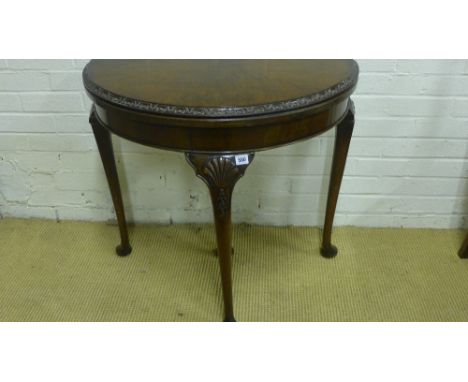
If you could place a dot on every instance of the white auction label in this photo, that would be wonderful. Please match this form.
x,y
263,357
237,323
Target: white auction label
x,y
242,159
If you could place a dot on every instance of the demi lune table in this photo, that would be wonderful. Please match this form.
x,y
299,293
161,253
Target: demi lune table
x,y
219,113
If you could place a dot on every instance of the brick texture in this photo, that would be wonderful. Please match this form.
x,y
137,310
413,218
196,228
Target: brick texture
x,y
407,163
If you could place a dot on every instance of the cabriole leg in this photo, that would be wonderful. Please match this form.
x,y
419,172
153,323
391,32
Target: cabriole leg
x,y
104,143
221,173
344,131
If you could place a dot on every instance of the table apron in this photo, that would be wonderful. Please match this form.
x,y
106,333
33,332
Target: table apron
x,y
235,135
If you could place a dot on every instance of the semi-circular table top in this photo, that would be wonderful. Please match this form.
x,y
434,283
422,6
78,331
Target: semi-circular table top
x,y
218,88
220,105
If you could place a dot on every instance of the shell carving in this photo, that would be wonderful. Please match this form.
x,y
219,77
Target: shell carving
x,y
221,172
221,175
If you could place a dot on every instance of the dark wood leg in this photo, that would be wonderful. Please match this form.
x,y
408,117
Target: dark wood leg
x,y
463,251
215,251
344,131
104,143
221,173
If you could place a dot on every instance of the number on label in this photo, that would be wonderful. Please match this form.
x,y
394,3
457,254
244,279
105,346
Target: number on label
x,y
242,159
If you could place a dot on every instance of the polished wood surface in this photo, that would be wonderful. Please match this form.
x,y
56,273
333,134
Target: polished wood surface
x,y
344,131
219,112
223,135
225,88
221,173
217,130
104,143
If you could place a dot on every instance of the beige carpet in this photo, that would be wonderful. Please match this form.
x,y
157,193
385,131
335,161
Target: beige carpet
x,y
68,271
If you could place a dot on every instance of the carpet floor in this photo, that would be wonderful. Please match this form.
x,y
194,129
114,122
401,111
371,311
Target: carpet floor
x,y
68,271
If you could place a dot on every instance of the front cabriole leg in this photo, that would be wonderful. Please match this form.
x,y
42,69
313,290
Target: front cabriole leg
x,y
221,173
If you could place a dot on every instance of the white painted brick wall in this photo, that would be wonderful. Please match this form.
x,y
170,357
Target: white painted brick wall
x,y
407,164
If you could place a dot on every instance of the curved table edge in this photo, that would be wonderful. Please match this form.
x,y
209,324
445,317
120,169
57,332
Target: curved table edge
x,y
222,112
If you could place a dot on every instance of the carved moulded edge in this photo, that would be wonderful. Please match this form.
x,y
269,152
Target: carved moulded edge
x,y
220,112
